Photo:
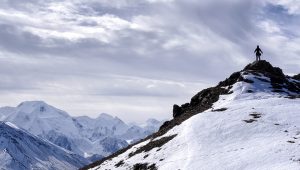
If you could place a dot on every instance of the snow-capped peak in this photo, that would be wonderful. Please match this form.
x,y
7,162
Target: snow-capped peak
x,y
105,116
32,103
30,106
40,108
109,119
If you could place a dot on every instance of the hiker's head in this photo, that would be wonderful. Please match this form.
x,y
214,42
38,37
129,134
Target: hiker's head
x,y
257,46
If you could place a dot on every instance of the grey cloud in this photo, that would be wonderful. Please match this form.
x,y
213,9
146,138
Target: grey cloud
x,y
88,23
126,11
15,40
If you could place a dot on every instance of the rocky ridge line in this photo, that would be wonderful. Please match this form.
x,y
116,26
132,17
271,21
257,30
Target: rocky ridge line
x,y
205,98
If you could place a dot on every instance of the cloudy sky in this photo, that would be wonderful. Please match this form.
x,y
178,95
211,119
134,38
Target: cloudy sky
x,y
135,58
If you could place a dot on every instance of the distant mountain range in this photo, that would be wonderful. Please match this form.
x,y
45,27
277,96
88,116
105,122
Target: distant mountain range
x,y
85,136
21,150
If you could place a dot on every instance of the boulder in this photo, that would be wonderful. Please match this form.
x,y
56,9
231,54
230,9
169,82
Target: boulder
x,y
177,111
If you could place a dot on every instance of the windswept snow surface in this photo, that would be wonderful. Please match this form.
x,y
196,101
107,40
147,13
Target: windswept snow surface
x,y
260,130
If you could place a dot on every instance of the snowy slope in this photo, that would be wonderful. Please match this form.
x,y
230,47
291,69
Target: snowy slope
x,y
82,135
21,150
256,125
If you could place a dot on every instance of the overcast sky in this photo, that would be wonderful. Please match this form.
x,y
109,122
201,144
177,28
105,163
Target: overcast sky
x,y
135,58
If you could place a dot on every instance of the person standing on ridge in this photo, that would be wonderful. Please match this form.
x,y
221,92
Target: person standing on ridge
x,y
258,53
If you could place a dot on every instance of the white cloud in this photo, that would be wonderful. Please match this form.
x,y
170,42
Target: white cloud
x,y
62,20
270,27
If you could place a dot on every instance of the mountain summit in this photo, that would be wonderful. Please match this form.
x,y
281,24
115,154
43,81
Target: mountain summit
x,y
248,121
259,75
264,67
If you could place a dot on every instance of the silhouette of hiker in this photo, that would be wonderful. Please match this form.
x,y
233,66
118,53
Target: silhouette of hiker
x,y
258,53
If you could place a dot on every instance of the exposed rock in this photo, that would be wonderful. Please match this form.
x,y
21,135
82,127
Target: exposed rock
x,y
153,144
165,124
219,110
231,80
119,163
297,77
250,120
177,111
144,166
265,68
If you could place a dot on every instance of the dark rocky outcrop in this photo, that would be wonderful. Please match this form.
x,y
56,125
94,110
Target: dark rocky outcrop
x,y
297,77
203,100
265,68
177,110
144,166
219,110
152,144
278,79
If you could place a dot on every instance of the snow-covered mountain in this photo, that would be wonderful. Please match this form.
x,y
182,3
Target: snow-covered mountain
x,y
250,121
94,138
21,150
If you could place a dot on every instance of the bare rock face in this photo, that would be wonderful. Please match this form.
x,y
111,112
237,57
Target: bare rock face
x,y
297,77
177,111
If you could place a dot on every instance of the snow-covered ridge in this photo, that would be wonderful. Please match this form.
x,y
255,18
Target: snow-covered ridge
x,y
21,150
251,121
91,138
